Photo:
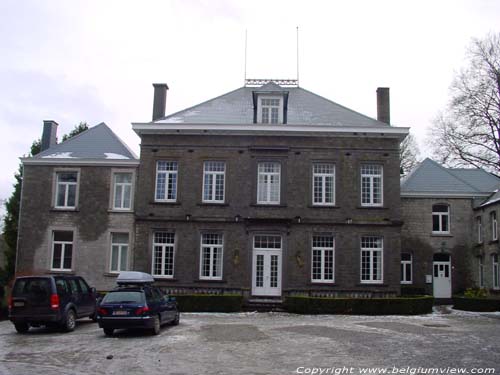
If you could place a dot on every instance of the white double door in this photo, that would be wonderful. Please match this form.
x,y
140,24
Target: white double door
x,y
442,279
266,270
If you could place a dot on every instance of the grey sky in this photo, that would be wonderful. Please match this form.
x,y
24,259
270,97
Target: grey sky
x,y
94,61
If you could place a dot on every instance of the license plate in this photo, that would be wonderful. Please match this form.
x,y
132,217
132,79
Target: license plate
x,y
120,312
18,304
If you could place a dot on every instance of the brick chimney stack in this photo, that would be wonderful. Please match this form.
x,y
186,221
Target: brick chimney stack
x,y
159,100
383,105
49,135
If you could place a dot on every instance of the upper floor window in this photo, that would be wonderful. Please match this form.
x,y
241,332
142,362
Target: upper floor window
x,y
406,268
166,181
371,259
323,259
494,226
496,271
213,181
481,272
323,184
371,185
268,183
479,225
163,254
66,189
122,191
119,252
270,110
440,218
62,250
211,256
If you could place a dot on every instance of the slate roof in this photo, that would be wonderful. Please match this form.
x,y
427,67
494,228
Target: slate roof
x,y
493,198
98,142
304,108
430,178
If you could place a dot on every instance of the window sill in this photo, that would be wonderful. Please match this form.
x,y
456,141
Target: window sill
x,y
325,206
406,282
434,234
322,283
212,281
262,205
113,211
161,203
493,241
163,278
373,207
378,284
55,209
213,204
111,274
61,272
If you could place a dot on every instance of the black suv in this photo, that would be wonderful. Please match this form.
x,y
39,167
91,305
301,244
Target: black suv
x,y
136,303
50,301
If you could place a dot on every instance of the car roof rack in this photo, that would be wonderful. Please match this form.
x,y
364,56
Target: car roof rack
x,y
134,278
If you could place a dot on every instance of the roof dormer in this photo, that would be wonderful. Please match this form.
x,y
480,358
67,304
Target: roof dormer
x,y
270,104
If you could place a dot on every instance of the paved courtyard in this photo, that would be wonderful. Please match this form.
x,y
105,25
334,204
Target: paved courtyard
x,y
264,343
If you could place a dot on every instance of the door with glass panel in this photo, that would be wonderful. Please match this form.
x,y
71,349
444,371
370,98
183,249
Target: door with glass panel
x,y
266,274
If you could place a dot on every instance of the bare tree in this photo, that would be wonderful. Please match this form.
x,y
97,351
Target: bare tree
x,y
468,132
408,154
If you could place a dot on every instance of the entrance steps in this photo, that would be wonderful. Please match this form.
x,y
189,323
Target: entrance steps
x,y
263,304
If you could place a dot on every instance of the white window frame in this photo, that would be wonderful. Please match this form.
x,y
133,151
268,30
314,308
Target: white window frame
x,y
372,253
123,185
479,224
323,250
481,272
212,249
66,185
494,225
404,274
261,105
496,272
168,173
323,176
267,186
164,245
64,245
212,175
121,246
372,177
440,215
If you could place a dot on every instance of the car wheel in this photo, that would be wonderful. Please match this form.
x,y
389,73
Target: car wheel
x,y
156,325
22,327
108,331
176,319
69,323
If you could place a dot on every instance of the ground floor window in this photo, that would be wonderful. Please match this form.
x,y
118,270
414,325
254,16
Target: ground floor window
x,y
481,272
211,256
496,272
371,259
163,254
323,259
119,252
406,268
62,250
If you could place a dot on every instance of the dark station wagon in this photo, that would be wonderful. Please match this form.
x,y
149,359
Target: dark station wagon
x,y
136,303
50,301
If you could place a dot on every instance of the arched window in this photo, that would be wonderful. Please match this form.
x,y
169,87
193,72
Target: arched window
x,y
441,219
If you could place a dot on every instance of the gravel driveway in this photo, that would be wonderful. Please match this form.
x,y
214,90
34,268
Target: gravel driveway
x,y
264,343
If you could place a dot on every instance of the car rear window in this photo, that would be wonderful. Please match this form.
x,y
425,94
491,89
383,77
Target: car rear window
x,y
124,297
36,288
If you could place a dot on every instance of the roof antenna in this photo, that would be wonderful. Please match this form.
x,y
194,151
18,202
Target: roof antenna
x,y
245,78
297,56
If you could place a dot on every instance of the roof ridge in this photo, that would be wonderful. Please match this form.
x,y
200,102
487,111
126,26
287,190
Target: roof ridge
x,y
447,170
406,178
69,140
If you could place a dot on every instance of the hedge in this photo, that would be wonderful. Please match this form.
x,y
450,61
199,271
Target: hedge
x,y
360,306
476,304
209,302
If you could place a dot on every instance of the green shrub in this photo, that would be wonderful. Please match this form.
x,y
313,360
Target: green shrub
x,y
476,293
360,306
476,304
209,302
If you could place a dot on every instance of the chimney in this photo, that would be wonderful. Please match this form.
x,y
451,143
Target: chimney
x,y
383,105
49,135
159,100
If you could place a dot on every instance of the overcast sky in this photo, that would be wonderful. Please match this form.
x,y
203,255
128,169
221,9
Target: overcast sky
x,y
95,61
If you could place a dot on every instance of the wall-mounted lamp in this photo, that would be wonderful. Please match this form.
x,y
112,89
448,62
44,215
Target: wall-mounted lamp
x,y
188,217
348,220
237,218
298,219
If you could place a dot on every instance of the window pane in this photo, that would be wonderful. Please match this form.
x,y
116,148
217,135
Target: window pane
x,y
56,258
435,223
68,255
67,176
115,250
118,196
63,236
123,177
440,208
124,256
127,196
71,196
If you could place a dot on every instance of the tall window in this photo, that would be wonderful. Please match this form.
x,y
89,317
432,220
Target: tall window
x,y
371,185
213,181
270,109
479,225
62,250
496,271
494,226
481,272
440,218
211,256
268,184
66,186
119,252
122,199
163,254
323,259
323,184
406,268
371,259
166,181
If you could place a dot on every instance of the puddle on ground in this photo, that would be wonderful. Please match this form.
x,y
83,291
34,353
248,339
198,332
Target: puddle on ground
x,y
232,332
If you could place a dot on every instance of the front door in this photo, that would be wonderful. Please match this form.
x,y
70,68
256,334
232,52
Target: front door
x,y
266,274
442,279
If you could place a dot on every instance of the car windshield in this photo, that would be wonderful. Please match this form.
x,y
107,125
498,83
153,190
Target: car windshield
x,y
37,288
124,297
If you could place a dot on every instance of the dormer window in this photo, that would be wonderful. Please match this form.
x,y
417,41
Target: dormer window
x,y
270,110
